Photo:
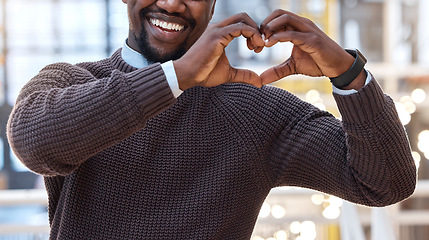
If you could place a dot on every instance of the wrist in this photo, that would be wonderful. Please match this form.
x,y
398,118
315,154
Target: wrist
x,y
358,82
181,75
354,72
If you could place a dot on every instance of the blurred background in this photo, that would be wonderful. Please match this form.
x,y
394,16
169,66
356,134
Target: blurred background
x,y
392,34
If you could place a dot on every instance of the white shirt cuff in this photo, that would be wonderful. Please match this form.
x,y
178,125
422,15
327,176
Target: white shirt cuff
x,y
171,76
351,91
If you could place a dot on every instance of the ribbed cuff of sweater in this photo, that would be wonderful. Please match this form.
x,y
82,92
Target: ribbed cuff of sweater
x,y
151,89
363,106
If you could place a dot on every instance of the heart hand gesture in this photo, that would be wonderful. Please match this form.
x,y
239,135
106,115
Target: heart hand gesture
x,y
314,53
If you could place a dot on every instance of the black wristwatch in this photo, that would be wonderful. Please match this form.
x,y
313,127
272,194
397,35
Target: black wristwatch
x,y
346,78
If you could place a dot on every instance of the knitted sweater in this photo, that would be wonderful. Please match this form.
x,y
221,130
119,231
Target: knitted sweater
x,y
123,159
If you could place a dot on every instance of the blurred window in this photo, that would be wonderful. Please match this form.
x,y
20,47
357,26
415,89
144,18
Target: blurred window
x,y
367,15
1,155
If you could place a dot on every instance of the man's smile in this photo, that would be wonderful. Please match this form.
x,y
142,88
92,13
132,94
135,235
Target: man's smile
x,y
167,26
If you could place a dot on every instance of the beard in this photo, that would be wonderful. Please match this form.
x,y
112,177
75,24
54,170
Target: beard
x,y
153,54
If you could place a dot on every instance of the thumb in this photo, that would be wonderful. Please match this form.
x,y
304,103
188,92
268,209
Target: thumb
x,y
244,76
276,73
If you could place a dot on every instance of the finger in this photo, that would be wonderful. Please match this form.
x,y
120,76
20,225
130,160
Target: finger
x,y
231,32
239,18
249,44
282,20
297,38
244,18
276,73
256,49
245,76
278,13
259,49
285,23
275,14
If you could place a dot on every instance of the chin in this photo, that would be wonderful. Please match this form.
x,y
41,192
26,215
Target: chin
x,y
158,54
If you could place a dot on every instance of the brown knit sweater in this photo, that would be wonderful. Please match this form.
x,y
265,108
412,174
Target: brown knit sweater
x,y
123,159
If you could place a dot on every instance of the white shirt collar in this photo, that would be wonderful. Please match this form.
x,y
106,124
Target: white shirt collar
x,y
133,57
137,60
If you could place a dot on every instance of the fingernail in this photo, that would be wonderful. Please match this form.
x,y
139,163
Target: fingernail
x,y
264,38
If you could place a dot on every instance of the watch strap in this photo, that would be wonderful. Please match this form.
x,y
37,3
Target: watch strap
x,y
346,78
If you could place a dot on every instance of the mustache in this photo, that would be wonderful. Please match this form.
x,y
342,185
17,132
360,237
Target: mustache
x,y
190,20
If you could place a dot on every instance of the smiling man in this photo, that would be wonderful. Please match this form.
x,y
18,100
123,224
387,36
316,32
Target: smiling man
x,y
165,140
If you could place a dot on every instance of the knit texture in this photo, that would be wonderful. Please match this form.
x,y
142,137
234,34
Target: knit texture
x,y
123,159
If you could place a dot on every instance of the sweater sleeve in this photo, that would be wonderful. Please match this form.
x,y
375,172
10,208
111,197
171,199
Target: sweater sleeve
x,y
365,158
65,115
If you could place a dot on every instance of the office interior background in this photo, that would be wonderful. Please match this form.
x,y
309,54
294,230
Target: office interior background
x,y
392,34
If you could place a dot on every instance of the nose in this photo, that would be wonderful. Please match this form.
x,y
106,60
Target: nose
x,y
171,6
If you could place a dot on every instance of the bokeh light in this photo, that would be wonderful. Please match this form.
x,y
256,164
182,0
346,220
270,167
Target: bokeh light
x,y
278,211
331,212
418,95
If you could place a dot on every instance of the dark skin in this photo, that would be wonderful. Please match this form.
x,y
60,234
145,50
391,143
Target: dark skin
x,y
205,62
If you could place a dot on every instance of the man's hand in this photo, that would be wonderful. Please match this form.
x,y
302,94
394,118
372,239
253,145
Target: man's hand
x,y
314,53
205,63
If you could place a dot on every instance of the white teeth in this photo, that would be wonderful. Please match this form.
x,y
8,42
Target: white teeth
x,y
167,25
